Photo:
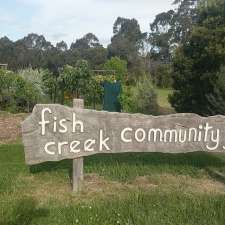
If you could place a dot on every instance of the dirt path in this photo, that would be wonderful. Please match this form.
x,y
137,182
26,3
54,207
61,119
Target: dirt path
x,y
10,128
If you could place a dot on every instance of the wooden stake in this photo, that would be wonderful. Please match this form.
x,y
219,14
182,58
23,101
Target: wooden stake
x,y
77,172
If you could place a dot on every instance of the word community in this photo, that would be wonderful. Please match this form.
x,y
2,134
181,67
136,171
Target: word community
x,y
205,134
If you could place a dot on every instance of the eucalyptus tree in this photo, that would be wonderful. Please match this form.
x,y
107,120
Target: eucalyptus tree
x,y
126,43
172,28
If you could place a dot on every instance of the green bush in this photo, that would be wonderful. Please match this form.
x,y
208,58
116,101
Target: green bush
x,y
33,76
141,98
76,79
127,99
17,94
50,85
119,66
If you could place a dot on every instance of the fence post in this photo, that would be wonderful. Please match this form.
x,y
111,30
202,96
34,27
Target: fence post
x,y
77,173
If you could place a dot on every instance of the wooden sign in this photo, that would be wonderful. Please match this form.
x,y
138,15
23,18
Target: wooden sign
x,y
56,132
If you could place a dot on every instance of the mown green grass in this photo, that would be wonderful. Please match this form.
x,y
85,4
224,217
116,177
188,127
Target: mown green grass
x,y
154,206
136,209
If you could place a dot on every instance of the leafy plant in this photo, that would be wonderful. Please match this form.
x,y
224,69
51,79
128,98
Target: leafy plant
x,y
141,98
119,66
76,79
50,85
17,94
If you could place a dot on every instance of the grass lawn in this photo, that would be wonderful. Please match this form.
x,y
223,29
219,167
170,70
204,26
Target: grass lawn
x,y
118,189
163,99
137,189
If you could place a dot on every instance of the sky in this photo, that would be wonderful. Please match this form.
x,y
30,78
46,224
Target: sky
x,y
69,20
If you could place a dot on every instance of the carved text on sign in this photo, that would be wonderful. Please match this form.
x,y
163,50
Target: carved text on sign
x,y
55,132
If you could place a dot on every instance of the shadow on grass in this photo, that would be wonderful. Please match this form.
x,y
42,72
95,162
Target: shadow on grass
x,y
52,166
198,160
64,165
24,212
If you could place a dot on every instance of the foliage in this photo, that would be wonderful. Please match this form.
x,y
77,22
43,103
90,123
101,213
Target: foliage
x,y
84,75
172,28
88,41
127,99
198,61
216,98
160,36
35,51
71,81
94,93
6,78
87,48
190,37
127,39
141,98
101,78
25,94
16,93
76,79
50,85
61,46
119,66
126,43
33,76
145,97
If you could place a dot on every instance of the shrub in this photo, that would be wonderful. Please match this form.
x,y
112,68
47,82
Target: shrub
x,y
17,94
127,99
145,97
34,77
76,79
119,66
141,98
25,94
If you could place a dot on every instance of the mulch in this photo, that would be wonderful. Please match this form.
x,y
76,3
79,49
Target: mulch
x,y
10,127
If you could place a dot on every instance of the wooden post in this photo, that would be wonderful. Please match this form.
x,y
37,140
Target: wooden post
x,y
77,173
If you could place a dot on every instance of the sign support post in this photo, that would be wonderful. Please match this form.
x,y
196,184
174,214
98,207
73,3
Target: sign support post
x,y
77,169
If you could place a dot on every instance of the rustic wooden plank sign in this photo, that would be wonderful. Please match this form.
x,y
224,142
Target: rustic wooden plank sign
x,y
54,132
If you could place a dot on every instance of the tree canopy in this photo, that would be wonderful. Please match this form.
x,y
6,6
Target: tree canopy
x,y
198,63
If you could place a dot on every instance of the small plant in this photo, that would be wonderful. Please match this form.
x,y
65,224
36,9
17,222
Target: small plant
x,y
145,97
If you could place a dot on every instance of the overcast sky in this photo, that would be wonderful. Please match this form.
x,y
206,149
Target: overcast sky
x,y
70,19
